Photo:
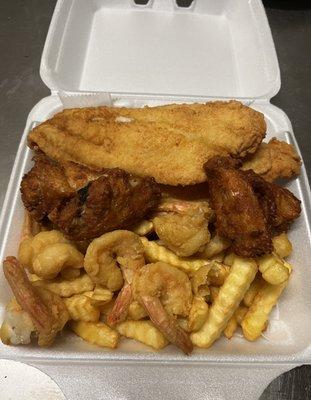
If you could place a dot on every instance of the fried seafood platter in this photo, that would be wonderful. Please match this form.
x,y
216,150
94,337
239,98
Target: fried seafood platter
x,y
159,224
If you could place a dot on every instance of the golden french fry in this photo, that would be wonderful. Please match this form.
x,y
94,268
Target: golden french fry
x,y
218,273
144,332
231,327
105,309
214,290
199,281
99,296
253,290
215,246
234,321
155,252
198,314
228,260
183,323
240,313
218,257
67,288
273,269
96,333
282,246
257,316
136,311
80,308
229,297
143,228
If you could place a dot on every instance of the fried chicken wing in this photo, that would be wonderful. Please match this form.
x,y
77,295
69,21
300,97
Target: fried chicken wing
x,y
248,209
115,200
274,160
174,141
111,201
44,187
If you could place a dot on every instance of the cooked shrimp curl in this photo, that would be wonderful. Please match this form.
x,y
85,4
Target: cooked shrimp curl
x,y
46,310
165,292
110,258
183,225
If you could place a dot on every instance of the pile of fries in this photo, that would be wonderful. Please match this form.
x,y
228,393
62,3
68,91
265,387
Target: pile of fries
x,y
226,291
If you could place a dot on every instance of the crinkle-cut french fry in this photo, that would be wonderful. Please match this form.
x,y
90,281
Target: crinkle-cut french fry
x,y
99,296
70,273
273,269
144,332
228,260
282,246
234,321
155,252
218,273
253,290
231,327
143,228
136,311
80,308
215,246
240,313
218,257
96,333
214,290
257,316
67,288
199,281
198,314
105,309
241,275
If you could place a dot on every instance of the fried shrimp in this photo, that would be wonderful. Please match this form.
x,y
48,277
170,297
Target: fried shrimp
x,y
165,292
183,225
109,259
46,310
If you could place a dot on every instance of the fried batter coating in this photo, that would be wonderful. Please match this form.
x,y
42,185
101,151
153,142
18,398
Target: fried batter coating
x,y
44,187
249,210
114,200
174,141
274,160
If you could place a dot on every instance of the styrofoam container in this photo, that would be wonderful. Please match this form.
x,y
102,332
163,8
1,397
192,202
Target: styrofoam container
x,y
115,51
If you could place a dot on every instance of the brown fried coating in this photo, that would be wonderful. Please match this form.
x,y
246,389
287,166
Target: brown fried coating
x,y
274,160
44,187
248,209
170,143
116,200
239,216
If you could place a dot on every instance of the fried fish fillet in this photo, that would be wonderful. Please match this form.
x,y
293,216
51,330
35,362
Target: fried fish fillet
x,y
274,160
170,143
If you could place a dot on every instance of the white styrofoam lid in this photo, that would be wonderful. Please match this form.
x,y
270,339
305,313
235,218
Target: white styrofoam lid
x,y
220,48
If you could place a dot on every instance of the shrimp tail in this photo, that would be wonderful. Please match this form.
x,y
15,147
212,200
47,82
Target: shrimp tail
x,y
121,306
27,296
166,324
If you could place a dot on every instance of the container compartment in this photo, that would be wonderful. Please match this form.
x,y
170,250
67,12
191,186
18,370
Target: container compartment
x,y
120,47
288,335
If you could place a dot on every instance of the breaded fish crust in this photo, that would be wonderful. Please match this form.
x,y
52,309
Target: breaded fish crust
x,y
170,143
274,160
